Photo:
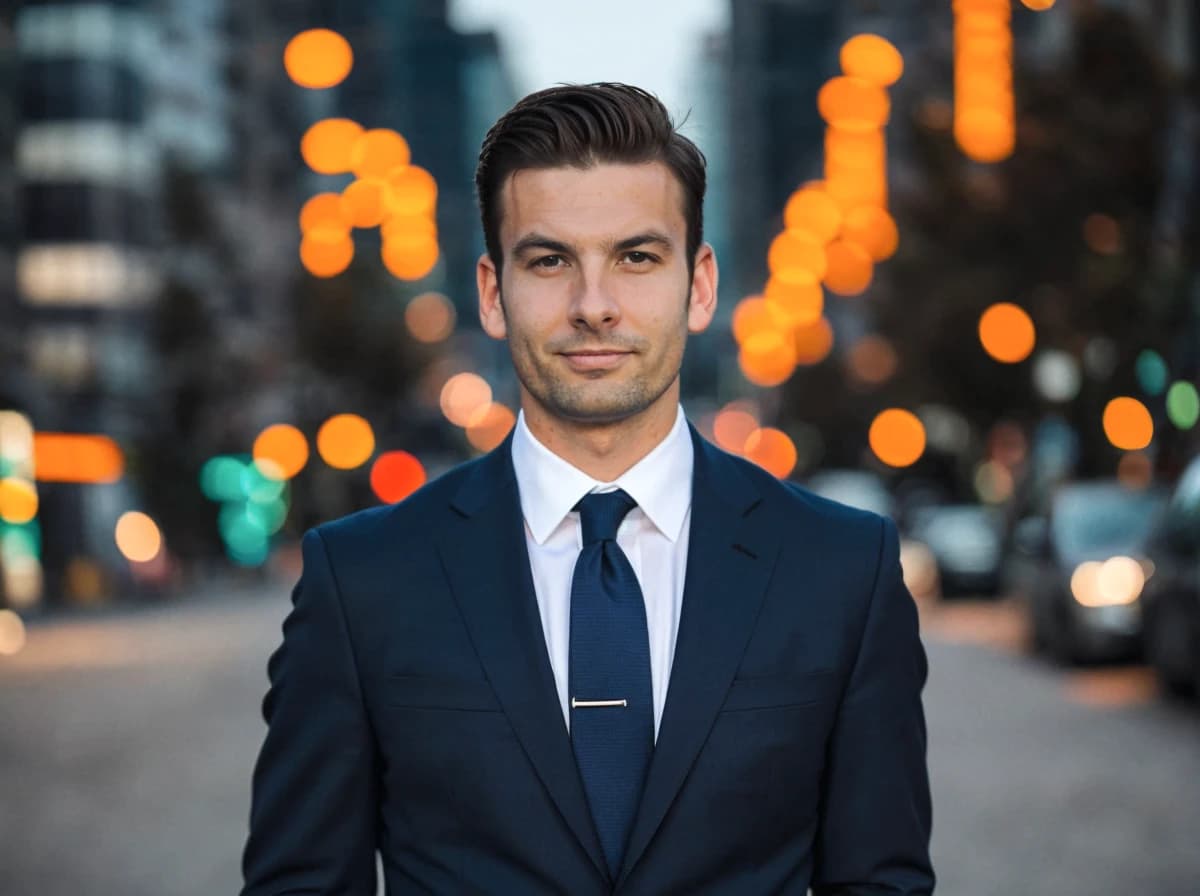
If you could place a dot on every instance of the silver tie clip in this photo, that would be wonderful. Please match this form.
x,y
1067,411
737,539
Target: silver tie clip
x,y
579,704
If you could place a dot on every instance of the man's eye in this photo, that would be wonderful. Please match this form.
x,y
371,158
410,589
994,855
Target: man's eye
x,y
638,257
548,261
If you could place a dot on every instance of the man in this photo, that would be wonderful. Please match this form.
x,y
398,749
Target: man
x,y
606,657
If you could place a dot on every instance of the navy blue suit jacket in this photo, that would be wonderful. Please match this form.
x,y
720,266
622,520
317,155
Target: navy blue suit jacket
x,y
412,708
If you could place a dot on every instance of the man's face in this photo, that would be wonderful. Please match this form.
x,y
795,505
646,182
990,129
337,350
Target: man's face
x,y
594,296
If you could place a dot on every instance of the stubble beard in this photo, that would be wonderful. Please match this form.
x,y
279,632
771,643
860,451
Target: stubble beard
x,y
590,400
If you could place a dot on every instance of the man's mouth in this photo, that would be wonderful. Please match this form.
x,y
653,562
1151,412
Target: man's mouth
x,y
595,359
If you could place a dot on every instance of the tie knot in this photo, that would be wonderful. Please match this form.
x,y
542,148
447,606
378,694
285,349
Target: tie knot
x,y
600,514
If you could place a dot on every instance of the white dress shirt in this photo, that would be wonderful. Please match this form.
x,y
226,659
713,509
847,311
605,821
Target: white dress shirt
x,y
653,535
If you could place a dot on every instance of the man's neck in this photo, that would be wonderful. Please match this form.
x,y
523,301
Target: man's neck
x,y
603,451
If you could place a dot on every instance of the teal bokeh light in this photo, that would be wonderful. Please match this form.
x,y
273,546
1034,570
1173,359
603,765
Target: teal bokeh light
x,y
238,526
20,540
246,541
256,486
268,515
1183,404
1152,372
255,555
221,478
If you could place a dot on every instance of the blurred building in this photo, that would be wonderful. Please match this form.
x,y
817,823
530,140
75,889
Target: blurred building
x,y
11,366
707,377
149,274
780,53
87,167
155,194
441,89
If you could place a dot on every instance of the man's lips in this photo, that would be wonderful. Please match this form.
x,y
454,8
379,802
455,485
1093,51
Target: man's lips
x,y
595,359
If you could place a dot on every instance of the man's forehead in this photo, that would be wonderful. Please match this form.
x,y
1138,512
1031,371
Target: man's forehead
x,y
592,199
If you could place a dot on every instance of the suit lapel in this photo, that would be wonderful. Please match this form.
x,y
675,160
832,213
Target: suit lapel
x,y
487,563
731,553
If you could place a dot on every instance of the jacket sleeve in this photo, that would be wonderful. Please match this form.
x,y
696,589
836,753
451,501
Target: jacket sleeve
x,y
874,829
313,809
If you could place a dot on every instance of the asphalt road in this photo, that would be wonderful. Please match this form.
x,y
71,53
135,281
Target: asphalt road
x,y
126,743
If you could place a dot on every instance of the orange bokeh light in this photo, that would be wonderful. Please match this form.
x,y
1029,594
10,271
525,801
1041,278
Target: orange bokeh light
x,y
796,256
490,426
464,395
1128,424
732,426
752,316
413,191
849,268
983,9
796,304
411,256
812,210
853,150
430,317
874,229
984,134
854,187
325,252
323,210
281,451
897,437
318,58
378,152
1038,5
345,441
773,450
872,360
854,104
363,202
1007,333
395,475
401,227
814,342
767,359
12,633
872,58
327,144
18,500
138,537
66,457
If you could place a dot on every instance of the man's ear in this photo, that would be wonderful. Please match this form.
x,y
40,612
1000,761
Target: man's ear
x,y
491,311
702,301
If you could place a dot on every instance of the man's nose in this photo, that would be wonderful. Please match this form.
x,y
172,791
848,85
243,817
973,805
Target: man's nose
x,y
593,305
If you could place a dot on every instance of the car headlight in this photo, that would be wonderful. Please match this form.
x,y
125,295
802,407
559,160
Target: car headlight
x,y
1115,582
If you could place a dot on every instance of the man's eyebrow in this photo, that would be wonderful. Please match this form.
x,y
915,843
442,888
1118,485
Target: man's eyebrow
x,y
537,241
641,239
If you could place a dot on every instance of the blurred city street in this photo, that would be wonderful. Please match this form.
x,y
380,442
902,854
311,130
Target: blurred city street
x,y
251,269
129,740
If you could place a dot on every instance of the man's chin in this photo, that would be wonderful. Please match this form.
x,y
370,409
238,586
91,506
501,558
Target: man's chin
x,y
596,410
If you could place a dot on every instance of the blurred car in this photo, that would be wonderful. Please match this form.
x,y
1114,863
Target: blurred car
x,y
857,488
1172,597
1089,566
965,541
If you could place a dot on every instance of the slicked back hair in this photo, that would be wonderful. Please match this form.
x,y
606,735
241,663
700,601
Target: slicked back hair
x,y
581,125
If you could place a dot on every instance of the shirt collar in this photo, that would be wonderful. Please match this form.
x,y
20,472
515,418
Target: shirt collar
x,y
660,483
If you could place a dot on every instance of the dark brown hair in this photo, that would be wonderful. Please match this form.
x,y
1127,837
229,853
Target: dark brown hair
x,y
581,125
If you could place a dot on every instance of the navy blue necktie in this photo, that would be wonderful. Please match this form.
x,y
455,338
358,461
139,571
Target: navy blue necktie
x,y
612,710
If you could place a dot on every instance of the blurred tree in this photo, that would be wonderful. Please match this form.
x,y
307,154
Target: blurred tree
x,y
1063,228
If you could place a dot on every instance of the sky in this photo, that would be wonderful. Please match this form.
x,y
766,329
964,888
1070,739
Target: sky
x,y
651,43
